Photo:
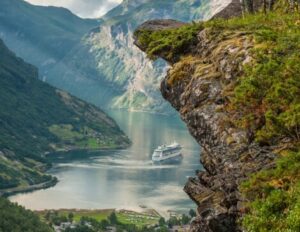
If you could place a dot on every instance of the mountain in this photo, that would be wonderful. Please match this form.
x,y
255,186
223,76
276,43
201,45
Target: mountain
x,y
107,64
36,118
100,65
40,35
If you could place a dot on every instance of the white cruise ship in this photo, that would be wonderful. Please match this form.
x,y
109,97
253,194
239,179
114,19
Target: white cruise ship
x,y
167,152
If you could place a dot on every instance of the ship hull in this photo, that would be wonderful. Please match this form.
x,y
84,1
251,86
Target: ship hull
x,y
173,157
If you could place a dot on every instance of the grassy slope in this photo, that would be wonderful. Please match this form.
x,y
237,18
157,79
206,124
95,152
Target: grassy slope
x,y
265,101
36,118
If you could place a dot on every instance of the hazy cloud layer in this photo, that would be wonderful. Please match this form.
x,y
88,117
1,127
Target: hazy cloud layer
x,y
83,8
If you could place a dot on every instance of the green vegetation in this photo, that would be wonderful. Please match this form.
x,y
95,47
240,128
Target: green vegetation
x,y
17,219
264,100
169,43
140,220
36,118
84,137
267,97
17,175
268,93
101,220
275,196
65,132
267,100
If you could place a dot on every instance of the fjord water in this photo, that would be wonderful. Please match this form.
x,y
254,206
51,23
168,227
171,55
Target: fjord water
x,y
123,179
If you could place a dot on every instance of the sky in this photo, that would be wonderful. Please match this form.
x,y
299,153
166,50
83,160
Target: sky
x,y
82,8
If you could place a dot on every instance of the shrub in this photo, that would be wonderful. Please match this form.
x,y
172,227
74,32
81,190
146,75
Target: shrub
x,y
267,97
275,197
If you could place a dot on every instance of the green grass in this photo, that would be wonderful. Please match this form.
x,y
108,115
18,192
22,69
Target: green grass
x,y
137,219
95,214
85,138
169,43
65,132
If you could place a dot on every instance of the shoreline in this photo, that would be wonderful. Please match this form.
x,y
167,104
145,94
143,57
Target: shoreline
x,y
46,154
31,188
48,184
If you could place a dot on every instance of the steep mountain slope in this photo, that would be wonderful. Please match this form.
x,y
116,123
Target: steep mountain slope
x,y
236,84
36,118
107,57
40,35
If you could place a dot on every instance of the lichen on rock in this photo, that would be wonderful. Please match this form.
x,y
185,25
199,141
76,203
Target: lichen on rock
x,y
197,86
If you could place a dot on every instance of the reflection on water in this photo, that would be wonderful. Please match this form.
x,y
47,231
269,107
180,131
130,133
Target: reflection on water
x,y
125,178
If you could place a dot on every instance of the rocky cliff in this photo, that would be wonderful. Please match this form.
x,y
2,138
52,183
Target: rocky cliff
x,y
198,86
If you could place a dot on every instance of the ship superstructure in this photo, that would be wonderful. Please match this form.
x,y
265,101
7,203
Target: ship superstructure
x,y
167,152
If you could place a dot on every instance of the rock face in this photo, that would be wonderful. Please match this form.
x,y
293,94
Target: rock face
x,y
197,87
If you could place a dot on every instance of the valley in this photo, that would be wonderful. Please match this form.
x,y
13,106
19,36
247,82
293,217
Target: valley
x,y
37,119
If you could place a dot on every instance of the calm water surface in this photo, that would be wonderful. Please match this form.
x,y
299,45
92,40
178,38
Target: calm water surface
x,y
126,178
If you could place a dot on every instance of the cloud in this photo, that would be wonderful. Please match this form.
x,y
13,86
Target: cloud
x,y
83,8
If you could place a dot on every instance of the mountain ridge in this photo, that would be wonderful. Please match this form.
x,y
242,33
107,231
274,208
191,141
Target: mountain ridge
x,y
110,50
95,62
36,118
40,34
